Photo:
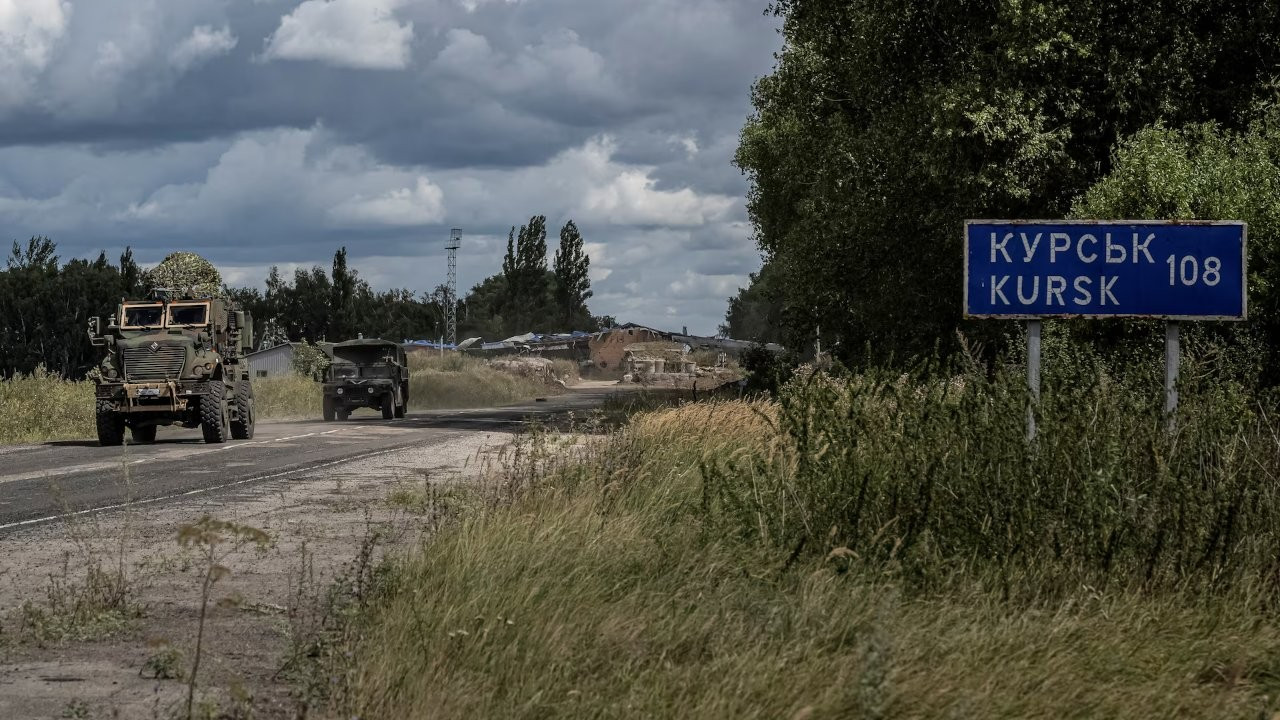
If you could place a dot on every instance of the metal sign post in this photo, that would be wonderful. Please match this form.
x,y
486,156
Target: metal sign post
x,y
1033,376
1172,356
1036,269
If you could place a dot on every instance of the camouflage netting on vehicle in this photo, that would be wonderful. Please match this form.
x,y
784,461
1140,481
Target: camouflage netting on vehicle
x,y
185,273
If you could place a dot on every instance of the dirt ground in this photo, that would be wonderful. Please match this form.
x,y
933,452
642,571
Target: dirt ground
x,y
317,525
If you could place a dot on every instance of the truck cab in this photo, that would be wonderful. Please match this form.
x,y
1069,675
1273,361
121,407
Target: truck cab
x,y
173,361
366,373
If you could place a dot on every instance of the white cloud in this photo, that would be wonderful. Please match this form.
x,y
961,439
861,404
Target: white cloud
x,y
695,286
688,142
629,196
585,183
473,5
29,32
203,44
296,177
420,205
347,33
558,60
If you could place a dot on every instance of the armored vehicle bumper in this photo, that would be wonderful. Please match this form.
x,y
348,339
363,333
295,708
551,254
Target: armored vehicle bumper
x,y
358,393
154,397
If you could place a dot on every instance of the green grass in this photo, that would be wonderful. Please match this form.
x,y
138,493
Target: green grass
x,y
874,546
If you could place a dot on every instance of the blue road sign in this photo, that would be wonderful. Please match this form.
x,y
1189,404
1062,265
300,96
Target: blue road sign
x,y
1128,268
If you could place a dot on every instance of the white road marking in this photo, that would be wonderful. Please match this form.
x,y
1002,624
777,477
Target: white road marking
x,y
199,491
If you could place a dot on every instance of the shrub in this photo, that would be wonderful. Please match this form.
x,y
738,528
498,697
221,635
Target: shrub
x,y
309,360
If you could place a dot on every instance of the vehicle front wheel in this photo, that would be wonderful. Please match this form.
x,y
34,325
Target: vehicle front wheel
x,y
403,407
388,406
110,425
328,410
213,413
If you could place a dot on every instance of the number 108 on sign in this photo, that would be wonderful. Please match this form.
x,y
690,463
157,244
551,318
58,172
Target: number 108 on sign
x,y
1172,270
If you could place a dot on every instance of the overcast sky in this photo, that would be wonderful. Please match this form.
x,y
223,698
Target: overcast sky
x,y
269,132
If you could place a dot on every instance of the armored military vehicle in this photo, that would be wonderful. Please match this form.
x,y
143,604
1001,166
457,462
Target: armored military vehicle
x,y
174,361
366,373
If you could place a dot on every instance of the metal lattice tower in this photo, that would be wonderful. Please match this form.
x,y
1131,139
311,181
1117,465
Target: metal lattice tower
x,y
451,301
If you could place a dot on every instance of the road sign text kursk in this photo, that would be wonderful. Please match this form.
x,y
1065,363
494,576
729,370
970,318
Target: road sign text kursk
x,y
1038,269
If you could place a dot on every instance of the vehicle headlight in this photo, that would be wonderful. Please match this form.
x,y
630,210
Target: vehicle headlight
x,y
370,391
339,391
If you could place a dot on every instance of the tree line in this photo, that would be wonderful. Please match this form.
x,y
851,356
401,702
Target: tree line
x,y
45,304
884,125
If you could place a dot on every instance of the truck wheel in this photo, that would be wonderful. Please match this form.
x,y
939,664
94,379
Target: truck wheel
x,y
388,406
143,435
110,425
242,426
328,409
343,414
404,401
213,413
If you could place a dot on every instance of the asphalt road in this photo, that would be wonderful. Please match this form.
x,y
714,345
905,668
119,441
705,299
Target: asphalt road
x,y
40,483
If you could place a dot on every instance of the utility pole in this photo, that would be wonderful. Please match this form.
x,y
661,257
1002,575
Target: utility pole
x,y
451,292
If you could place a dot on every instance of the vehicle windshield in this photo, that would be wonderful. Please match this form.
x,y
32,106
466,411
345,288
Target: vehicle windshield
x,y
143,316
188,314
375,371
344,371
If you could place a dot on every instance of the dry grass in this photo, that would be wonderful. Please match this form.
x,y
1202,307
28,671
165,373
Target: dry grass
x,y
287,397
454,380
42,407
616,584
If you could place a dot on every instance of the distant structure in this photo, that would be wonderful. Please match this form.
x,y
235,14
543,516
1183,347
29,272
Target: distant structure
x,y
451,292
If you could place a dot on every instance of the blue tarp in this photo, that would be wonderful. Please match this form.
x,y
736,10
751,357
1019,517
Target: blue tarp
x,y
434,345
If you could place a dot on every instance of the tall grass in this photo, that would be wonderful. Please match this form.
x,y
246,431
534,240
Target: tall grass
x,y
937,475
42,407
455,380
287,397
869,546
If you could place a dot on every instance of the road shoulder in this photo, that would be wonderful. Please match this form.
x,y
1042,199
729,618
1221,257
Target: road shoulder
x,y
318,522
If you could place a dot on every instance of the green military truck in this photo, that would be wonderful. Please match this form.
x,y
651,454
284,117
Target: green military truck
x,y
366,373
174,361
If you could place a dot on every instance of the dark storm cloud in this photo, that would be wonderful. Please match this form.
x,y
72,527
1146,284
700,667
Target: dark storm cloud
x,y
271,132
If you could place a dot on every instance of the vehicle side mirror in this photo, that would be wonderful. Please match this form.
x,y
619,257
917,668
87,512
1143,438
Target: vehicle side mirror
x,y
95,332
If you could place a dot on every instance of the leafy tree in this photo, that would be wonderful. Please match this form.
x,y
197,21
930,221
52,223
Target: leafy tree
x,y
130,275
756,313
572,278
528,302
509,260
44,308
1201,172
884,125
342,302
481,311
